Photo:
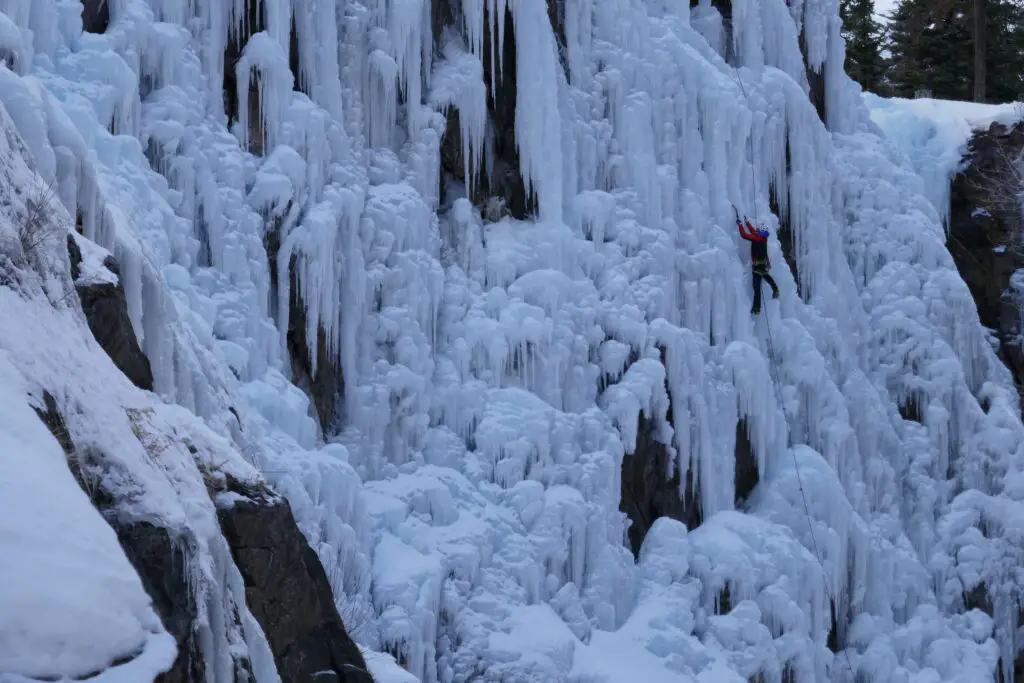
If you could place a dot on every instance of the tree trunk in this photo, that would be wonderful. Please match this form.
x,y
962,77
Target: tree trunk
x,y
979,50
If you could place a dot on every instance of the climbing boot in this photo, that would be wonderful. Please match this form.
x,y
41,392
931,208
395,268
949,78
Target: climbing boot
x,y
775,294
755,309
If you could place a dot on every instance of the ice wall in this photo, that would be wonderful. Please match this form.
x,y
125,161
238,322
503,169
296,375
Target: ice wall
x,y
236,156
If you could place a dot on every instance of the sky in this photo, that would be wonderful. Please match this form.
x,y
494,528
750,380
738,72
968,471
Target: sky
x,y
883,7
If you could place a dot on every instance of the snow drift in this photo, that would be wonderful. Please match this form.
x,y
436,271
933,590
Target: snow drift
x,y
492,245
934,135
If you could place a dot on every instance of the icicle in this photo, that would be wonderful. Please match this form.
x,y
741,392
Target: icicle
x,y
405,30
538,127
264,67
458,83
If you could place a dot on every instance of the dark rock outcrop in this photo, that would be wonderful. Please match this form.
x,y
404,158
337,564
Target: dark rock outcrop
x,y
106,311
250,23
505,182
978,598
648,492
95,16
747,475
286,588
986,239
325,384
787,239
986,236
161,564
287,591
157,557
816,81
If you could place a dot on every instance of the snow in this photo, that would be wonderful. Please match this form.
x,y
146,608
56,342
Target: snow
x,y
933,134
72,602
384,669
493,370
92,270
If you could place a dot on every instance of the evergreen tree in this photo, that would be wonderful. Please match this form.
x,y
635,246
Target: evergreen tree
x,y
864,39
1004,58
931,45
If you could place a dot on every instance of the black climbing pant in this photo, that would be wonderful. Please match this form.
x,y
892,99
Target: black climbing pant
x,y
760,273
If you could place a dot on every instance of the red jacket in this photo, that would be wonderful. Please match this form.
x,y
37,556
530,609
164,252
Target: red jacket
x,y
758,241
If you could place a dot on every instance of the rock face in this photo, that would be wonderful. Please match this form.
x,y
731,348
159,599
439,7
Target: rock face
x,y
986,237
286,587
504,186
161,564
95,15
106,311
287,591
325,384
649,492
158,559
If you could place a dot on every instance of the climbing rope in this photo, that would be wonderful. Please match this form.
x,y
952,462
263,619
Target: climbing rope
x,y
800,482
773,372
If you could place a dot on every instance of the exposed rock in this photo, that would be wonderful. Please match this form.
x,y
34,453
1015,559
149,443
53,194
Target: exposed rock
x,y
75,255
978,598
648,492
986,236
161,564
442,16
787,240
326,384
816,80
288,592
747,476
556,16
250,23
159,560
106,311
910,409
95,16
699,14
295,60
286,587
505,181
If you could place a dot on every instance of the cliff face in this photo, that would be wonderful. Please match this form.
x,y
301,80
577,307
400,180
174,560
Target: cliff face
x,y
986,237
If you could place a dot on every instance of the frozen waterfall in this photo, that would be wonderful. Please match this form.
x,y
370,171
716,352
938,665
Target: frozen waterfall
x,y
438,268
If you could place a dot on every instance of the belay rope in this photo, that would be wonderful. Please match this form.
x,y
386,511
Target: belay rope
x,y
773,373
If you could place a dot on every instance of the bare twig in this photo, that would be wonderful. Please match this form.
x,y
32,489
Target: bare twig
x,y
38,227
1001,182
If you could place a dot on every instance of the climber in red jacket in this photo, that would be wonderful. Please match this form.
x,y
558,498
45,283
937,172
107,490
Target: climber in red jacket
x,y
760,266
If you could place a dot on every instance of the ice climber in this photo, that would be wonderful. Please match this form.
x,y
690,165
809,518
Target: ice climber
x,y
759,264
